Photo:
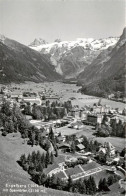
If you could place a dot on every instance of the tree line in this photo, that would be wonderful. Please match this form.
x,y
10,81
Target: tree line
x,y
35,164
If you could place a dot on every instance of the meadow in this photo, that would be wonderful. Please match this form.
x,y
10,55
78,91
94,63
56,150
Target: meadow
x,y
65,91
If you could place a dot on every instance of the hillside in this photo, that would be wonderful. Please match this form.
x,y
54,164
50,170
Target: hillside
x,y
19,63
72,57
11,173
106,74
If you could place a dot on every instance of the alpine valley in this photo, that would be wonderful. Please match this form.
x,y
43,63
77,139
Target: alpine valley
x,y
95,64
72,57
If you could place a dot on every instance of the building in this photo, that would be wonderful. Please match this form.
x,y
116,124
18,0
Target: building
x,y
107,150
64,146
32,100
80,147
75,112
16,97
94,119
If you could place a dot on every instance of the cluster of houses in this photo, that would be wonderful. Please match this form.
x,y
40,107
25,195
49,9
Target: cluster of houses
x,y
76,118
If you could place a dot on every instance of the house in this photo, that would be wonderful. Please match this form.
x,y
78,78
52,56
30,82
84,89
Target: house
x,y
79,140
75,112
16,97
60,139
64,146
80,147
107,150
83,114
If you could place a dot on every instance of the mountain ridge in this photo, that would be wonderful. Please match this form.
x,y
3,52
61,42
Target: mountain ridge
x,y
71,57
108,66
20,63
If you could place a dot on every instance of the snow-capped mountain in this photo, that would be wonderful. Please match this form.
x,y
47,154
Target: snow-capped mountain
x,y
71,57
38,42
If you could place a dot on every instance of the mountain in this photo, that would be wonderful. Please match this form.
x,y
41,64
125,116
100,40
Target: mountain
x,y
72,57
19,63
38,42
106,74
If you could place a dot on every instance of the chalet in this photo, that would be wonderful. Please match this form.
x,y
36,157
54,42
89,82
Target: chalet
x,y
60,139
63,146
2,128
29,117
80,147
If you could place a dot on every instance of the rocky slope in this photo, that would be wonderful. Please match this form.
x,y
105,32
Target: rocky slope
x,y
72,57
19,63
106,73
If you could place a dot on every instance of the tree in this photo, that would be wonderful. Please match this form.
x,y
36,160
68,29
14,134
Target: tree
x,y
53,181
56,152
110,180
51,158
22,159
59,184
47,145
103,186
70,183
39,167
93,184
51,134
105,119
47,159
73,147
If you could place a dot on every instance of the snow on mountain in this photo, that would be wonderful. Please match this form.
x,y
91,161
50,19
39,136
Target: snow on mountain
x,y
93,44
71,57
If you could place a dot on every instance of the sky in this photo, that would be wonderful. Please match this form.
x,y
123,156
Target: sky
x,y
25,20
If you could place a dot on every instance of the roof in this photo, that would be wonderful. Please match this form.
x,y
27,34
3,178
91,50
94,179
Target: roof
x,y
80,146
109,145
63,145
102,150
60,138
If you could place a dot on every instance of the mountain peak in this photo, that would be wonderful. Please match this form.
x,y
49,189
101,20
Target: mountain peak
x,y
57,40
2,38
38,42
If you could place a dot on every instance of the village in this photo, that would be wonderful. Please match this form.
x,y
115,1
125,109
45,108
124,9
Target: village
x,y
77,155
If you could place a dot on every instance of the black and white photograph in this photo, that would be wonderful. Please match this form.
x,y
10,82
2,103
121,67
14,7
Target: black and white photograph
x,y
62,97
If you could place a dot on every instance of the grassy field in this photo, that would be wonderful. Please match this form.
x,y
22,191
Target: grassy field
x,y
72,171
89,166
